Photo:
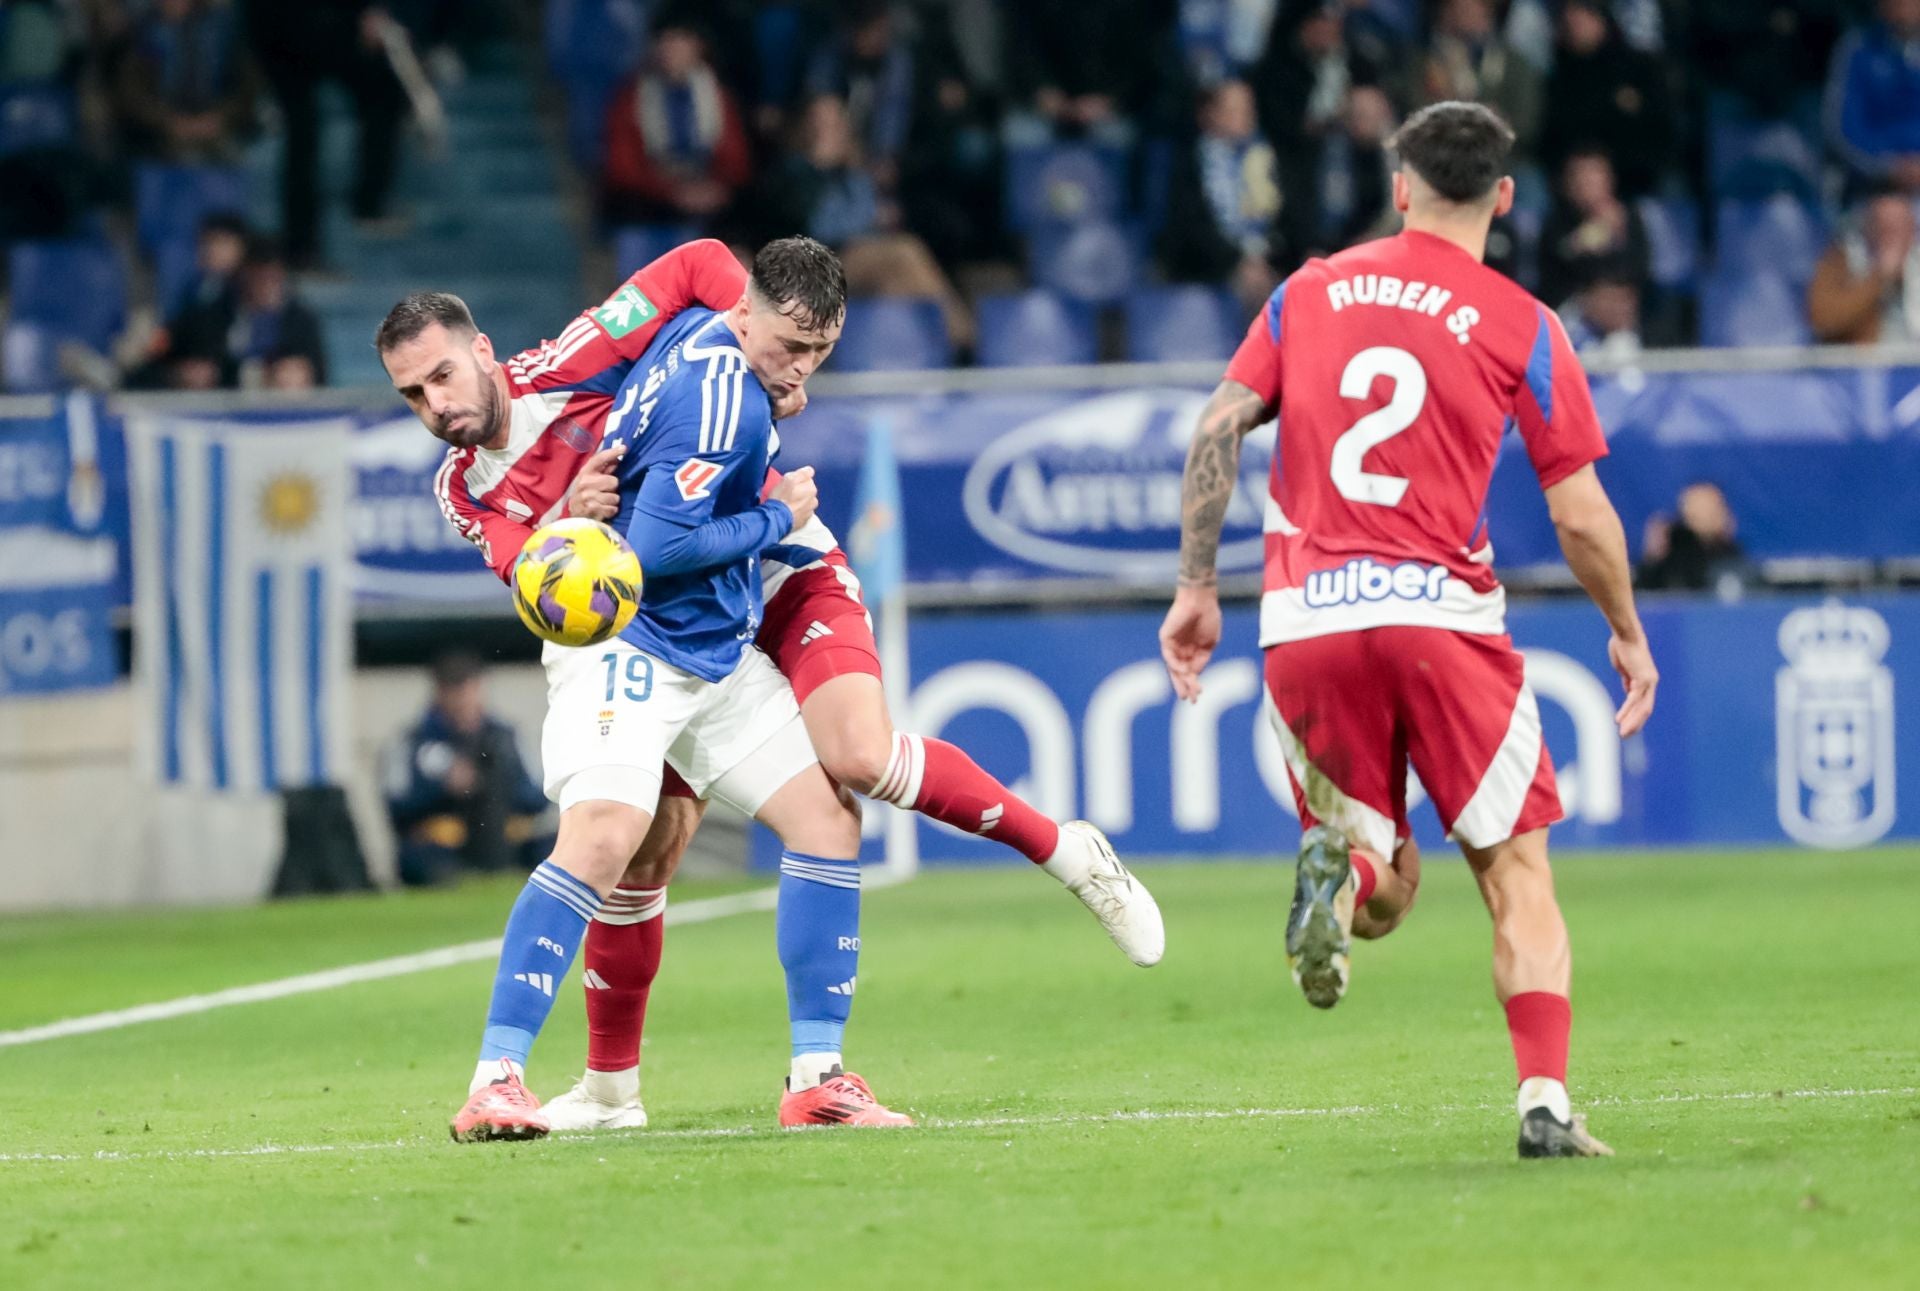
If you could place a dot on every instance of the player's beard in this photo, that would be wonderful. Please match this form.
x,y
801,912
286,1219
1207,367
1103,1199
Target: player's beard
x,y
482,425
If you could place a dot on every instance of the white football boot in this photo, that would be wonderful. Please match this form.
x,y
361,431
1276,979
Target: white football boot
x,y
1085,864
601,1100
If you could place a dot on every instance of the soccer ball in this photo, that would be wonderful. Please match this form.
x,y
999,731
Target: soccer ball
x,y
576,583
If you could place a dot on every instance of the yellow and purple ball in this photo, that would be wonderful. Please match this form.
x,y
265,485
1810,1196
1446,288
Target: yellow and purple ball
x,y
576,583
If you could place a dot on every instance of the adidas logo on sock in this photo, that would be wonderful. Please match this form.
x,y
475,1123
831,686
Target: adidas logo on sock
x,y
593,981
815,632
991,817
845,988
541,982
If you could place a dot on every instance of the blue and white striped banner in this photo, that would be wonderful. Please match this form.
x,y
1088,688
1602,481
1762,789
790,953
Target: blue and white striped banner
x,y
243,565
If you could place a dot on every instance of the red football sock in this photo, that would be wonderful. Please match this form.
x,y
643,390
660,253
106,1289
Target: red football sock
x,y
936,779
622,956
1538,1023
1364,869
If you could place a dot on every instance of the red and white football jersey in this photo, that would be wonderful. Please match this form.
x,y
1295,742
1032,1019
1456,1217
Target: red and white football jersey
x,y
562,392
1396,367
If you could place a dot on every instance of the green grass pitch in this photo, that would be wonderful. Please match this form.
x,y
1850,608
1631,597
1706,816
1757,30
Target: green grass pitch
x,y
1746,1035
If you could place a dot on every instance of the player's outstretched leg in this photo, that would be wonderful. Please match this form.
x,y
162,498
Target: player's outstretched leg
x,y
1532,970
817,928
620,961
848,722
543,933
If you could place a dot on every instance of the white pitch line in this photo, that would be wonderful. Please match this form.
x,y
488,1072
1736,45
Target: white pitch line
x,y
701,911
1142,1116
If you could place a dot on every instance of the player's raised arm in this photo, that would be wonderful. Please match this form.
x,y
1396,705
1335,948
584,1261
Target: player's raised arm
x,y
1595,545
1191,629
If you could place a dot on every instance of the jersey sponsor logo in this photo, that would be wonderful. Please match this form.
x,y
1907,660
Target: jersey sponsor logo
x,y
1367,579
694,477
624,311
1097,484
1833,723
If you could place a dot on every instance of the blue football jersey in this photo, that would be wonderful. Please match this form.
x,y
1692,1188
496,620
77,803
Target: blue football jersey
x,y
698,427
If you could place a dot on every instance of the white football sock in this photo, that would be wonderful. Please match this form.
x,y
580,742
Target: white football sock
x,y
1545,1091
612,1087
809,1069
492,1069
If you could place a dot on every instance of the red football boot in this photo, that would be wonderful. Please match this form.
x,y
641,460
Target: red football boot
x,y
841,1099
500,1109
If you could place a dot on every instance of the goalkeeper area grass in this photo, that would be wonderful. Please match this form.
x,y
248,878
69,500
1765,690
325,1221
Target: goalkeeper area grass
x,y
1746,1036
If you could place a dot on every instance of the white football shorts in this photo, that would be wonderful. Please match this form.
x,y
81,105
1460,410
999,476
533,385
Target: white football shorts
x,y
614,714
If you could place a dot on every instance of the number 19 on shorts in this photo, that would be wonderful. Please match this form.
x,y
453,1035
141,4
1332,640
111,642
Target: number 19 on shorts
x,y
635,681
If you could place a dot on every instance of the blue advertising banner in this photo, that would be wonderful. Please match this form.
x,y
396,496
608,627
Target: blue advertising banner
x,y
1779,721
56,606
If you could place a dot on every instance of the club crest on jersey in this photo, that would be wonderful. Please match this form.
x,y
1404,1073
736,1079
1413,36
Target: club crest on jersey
x,y
625,310
694,476
572,434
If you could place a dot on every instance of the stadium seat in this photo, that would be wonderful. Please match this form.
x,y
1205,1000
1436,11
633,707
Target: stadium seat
x,y
1752,308
170,201
1780,235
1753,158
36,117
893,335
635,245
1172,324
1095,262
76,290
1035,329
1064,184
1673,237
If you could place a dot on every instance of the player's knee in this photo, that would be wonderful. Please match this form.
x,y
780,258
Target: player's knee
x,y
598,841
855,754
826,822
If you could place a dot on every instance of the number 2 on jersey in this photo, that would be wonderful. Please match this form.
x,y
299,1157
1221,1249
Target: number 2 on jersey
x,y
1377,427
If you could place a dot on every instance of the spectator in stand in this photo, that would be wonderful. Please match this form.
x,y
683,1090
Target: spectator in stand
x,y
870,66
189,352
1223,210
1304,85
187,88
1589,233
458,792
1354,187
45,186
1223,40
302,45
1765,52
275,341
676,146
1698,551
822,189
1603,321
1074,71
243,327
1604,94
1873,98
951,172
1468,59
1866,288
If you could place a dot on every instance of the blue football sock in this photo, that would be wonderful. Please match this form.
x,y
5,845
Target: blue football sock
x,y
545,930
818,932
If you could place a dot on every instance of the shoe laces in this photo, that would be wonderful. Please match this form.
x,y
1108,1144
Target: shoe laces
x,y
852,1086
510,1090
1109,881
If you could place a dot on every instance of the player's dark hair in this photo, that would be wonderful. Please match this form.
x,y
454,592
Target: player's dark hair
x,y
1460,149
803,280
417,312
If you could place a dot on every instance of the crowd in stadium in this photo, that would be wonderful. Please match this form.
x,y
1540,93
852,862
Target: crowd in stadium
x,y
1714,171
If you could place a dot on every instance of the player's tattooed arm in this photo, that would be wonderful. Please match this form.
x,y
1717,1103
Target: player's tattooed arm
x,y
1213,467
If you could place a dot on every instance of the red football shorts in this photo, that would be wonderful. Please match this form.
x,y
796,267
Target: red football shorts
x,y
817,629
1355,708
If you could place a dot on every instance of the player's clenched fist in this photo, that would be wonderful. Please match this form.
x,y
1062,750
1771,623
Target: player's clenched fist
x,y
799,492
595,491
